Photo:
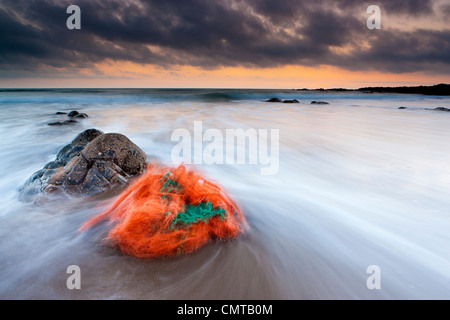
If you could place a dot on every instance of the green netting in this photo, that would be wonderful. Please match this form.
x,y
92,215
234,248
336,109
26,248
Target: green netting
x,y
193,214
170,186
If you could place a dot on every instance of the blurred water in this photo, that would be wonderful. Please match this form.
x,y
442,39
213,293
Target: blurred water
x,y
360,183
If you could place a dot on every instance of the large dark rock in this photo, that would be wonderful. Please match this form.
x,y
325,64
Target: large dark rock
x,y
92,163
78,144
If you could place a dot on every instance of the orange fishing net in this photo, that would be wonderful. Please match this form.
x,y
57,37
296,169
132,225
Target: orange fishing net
x,y
170,211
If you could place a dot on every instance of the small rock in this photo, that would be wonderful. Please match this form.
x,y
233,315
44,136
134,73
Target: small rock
x,y
81,115
60,113
73,114
402,108
274,100
442,109
62,123
319,102
291,101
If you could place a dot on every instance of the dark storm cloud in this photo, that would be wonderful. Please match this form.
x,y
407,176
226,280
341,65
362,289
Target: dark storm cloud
x,y
405,52
209,34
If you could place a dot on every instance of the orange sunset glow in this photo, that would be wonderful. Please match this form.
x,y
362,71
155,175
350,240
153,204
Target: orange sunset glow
x,y
132,75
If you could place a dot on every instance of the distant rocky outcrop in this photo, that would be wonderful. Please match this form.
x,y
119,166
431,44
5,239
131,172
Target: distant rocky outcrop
x,y
436,90
92,163
442,109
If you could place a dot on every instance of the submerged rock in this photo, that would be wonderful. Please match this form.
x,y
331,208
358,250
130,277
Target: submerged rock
x,y
402,108
291,101
61,113
62,123
76,114
442,109
319,102
73,114
92,163
81,115
274,100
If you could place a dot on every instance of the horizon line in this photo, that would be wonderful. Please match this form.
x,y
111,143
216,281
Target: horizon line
x,y
213,88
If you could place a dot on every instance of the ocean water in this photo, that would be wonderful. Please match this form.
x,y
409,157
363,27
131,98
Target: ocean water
x,y
360,183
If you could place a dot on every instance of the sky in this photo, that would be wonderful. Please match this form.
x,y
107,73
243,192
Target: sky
x,y
223,44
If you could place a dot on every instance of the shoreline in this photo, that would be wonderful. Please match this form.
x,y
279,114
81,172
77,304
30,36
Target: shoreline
x,y
436,90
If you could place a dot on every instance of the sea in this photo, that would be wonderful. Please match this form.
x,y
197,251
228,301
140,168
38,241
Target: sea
x,y
358,206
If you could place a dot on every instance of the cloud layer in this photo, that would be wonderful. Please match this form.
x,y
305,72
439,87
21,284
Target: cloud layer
x,y
34,38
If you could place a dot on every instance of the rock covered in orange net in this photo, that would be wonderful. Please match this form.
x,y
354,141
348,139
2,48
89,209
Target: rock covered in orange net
x,y
170,211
